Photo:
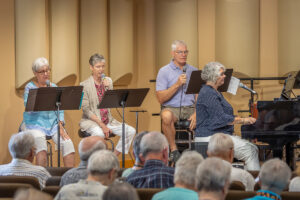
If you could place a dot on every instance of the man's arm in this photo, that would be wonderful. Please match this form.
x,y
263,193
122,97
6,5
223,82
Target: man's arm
x,y
165,95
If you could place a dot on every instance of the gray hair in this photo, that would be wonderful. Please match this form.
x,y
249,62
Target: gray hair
x,y
186,168
120,191
274,175
153,142
211,71
219,144
102,162
38,63
96,58
20,144
84,155
212,175
176,43
136,145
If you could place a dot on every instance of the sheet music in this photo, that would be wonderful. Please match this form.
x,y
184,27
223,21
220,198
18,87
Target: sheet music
x,y
233,85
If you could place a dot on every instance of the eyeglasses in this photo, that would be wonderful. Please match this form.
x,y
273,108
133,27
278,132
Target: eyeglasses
x,y
44,71
186,52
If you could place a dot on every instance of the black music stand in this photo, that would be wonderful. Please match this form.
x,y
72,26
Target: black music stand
x,y
122,98
290,83
196,82
54,99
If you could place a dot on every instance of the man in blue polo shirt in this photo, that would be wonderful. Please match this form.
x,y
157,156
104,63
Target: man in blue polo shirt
x,y
171,84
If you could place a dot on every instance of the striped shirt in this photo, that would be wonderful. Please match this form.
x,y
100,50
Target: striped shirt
x,y
155,174
213,113
22,167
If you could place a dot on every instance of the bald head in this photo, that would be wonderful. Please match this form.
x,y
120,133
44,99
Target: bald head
x,y
89,145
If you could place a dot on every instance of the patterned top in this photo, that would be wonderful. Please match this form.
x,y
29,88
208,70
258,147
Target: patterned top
x,y
155,174
75,174
46,121
103,112
168,76
213,113
82,190
265,195
21,167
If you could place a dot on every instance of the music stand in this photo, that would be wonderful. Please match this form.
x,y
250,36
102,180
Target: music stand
x,y
290,83
123,98
196,82
54,99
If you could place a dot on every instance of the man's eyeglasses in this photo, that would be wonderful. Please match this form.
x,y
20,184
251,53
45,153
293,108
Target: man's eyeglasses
x,y
44,71
182,52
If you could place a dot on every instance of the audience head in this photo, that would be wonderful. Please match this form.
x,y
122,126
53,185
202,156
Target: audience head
x,y
274,175
89,145
136,146
186,168
103,163
213,177
96,58
22,145
155,143
120,191
221,145
211,71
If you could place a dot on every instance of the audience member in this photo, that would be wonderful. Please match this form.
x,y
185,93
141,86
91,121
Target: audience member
x,y
22,149
273,178
86,147
155,174
103,166
184,178
213,179
221,145
136,152
31,194
120,191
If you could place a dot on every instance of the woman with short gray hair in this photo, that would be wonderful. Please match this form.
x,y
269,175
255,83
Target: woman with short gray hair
x,y
215,115
46,121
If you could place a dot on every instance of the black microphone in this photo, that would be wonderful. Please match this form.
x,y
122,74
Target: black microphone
x,y
184,69
241,85
48,83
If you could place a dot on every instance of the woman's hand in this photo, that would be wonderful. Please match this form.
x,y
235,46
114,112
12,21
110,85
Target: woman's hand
x,y
106,130
193,121
63,133
249,120
106,83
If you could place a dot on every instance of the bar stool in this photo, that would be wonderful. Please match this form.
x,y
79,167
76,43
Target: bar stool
x,y
183,134
83,134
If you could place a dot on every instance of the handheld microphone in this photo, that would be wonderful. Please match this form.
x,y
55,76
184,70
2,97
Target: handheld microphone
x,y
48,83
241,85
184,69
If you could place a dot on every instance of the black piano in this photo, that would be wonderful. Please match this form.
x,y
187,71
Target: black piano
x,y
278,124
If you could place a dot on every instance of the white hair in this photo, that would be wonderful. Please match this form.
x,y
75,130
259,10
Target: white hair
x,y
96,58
38,63
153,142
211,71
102,162
20,144
219,144
176,43
212,175
84,155
274,175
186,168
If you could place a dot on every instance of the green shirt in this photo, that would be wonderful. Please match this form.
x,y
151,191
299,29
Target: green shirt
x,y
175,193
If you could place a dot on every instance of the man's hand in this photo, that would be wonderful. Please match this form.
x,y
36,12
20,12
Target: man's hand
x,y
181,79
193,121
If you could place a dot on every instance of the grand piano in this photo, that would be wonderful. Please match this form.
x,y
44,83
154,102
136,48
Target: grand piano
x,y
278,124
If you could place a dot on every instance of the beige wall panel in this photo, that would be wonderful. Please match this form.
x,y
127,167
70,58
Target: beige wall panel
x,y
288,35
93,33
268,38
237,35
31,37
64,40
121,41
175,20
206,31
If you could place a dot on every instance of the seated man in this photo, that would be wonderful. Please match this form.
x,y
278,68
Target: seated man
x,y
213,179
22,149
155,173
184,178
171,84
274,176
103,166
86,147
221,145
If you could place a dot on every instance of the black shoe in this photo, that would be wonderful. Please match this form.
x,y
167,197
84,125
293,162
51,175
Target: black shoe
x,y
174,156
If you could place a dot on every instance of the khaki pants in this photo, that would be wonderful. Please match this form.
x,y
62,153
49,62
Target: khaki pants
x,y
186,111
